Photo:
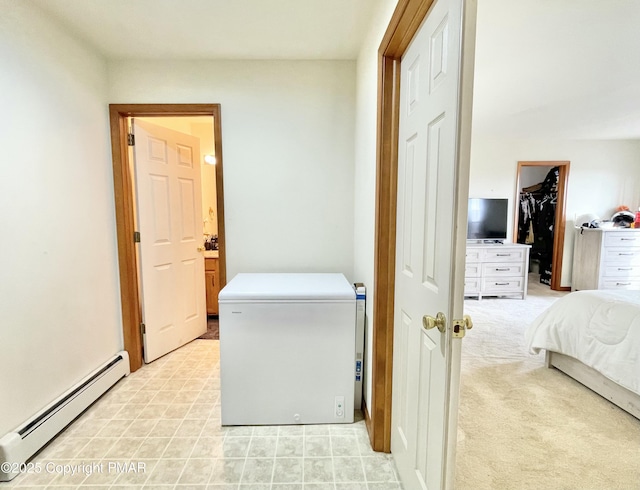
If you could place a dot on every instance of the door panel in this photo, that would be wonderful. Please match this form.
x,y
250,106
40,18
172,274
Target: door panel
x,y
430,243
403,365
408,202
426,242
191,284
185,156
168,193
187,211
162,215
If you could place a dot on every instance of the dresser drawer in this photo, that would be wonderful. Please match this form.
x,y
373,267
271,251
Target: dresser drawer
x,y
618,255
621,270
508,269
504,255
504,285
472,270
471,285
621,284
622,238
473,255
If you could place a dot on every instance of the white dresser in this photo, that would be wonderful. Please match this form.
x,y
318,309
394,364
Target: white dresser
x,y
496,270
606,259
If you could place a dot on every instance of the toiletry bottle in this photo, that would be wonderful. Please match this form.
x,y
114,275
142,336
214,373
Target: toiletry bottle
x,y
636,224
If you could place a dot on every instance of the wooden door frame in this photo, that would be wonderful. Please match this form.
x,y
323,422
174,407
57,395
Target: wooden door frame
x,y
560,217
124,204
404,24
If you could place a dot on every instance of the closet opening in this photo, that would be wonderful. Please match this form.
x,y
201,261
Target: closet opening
x,y
541,190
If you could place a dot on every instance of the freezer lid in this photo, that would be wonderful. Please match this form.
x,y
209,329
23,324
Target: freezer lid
x,y
288,287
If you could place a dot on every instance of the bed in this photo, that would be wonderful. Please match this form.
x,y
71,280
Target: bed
x,y
594,337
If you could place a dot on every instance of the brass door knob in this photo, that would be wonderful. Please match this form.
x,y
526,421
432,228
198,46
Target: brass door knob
x,y
468,323
440,321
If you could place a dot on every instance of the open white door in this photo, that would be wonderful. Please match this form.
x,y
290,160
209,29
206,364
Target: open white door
x,y
169,208
432,190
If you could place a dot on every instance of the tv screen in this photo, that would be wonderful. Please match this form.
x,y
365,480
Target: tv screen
x,y
487,219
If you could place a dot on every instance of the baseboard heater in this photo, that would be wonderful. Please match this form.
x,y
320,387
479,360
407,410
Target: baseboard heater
x,y
19,445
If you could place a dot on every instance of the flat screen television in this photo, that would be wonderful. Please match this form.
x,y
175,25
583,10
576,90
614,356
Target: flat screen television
x,y
487,219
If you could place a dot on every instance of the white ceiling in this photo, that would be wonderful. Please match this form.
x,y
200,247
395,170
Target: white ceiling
x,y
544,68
558,68
217,29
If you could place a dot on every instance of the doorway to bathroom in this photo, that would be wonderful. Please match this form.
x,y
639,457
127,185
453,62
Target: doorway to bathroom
x,y
198,213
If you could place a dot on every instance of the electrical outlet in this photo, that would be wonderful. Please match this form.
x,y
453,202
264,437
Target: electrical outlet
x,y
339,407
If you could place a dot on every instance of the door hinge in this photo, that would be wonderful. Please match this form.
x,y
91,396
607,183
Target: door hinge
x,y
460,327
143,328
131,139
136,237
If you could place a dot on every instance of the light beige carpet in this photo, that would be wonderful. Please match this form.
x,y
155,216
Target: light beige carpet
x,y
523,426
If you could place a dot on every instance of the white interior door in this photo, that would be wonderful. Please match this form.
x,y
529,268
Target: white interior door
x,y
431,179
169,207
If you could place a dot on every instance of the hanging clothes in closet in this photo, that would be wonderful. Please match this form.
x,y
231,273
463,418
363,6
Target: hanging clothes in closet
x,y
527,214
537,220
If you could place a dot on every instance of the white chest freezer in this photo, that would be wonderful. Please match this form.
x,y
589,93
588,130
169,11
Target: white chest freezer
x,y
287,349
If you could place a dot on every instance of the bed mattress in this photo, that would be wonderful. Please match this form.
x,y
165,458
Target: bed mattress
x,y
599,328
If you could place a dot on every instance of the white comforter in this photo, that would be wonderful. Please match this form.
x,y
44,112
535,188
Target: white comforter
x,y
599,328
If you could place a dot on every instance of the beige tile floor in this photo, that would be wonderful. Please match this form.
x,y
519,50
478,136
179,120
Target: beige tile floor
x,y
160,429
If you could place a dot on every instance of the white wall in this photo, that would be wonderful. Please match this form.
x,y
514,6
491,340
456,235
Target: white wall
x,y
287,139
59,296
365,167
204,131
603,175
532,175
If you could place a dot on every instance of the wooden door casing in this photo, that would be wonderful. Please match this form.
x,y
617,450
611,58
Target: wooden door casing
x,y
212,285
124,207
